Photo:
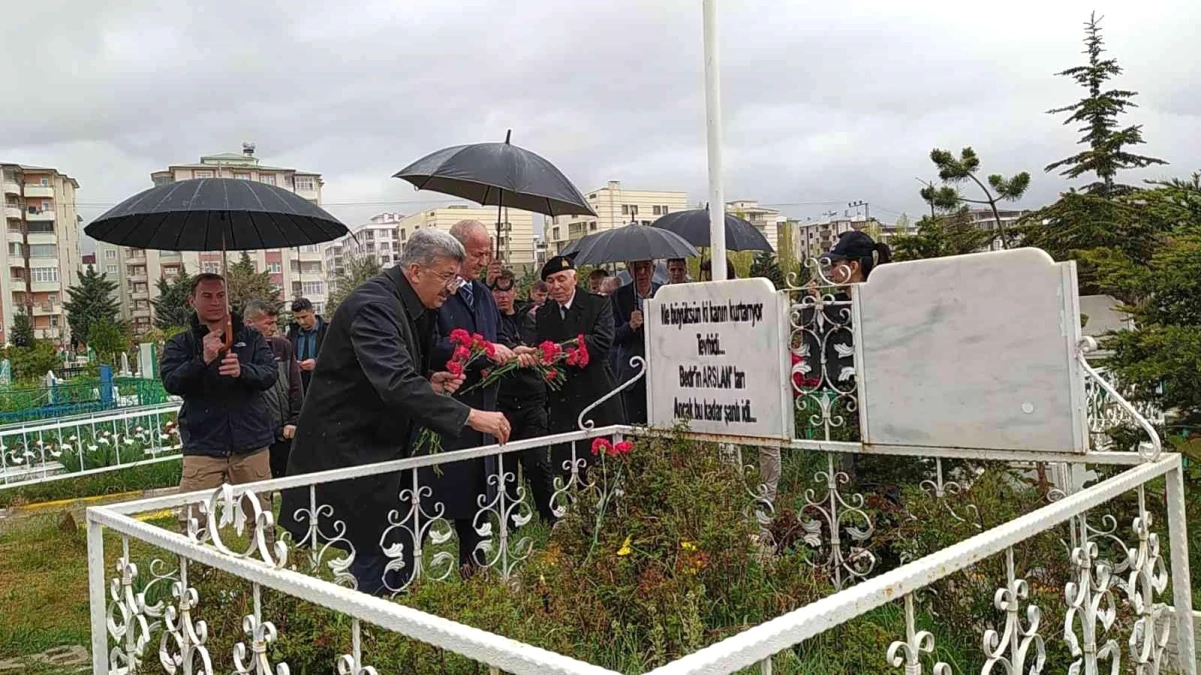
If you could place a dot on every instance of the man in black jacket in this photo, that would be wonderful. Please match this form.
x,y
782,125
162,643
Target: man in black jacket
x,y
522,395
223,424
307,333
569,313
373,389
284,399
629,339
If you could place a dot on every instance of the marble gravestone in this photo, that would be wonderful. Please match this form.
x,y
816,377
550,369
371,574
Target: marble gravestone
x,y
973,351
717,359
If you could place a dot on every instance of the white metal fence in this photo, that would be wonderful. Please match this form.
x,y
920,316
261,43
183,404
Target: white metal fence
x,y
68,447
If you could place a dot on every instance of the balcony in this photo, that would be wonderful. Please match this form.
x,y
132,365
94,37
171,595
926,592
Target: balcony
x,y
46,309
40,216
46,286
47,333
42,238
12,211
139,295
136,277
44,191
10,187
138,312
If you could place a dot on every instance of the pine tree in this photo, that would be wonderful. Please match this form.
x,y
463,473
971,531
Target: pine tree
x,y
954,170
244,284
22,331
108,339
91,301
1098,114
357,270
766,266
171,308
941,235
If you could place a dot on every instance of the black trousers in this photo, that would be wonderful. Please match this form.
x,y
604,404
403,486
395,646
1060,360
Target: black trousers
x,y
529,421
634,402
279,452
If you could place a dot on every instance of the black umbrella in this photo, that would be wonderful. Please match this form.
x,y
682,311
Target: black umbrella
x,y
499,174
693,225
215,214
630,243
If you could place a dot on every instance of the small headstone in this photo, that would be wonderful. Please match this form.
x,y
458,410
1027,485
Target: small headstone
x,y
6,373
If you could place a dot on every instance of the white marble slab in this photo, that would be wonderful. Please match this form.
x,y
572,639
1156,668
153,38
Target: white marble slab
x,y
972,351
718,360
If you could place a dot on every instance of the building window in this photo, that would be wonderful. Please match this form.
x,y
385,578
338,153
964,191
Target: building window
x,y
45,182
210,267
54,321
655,210
646,222
308,249
275,268
110,254
554,233
268,178
312,288
664,210
592,226
202,173
403,237
305,183
110,269
625,209
14,249
45,274
241,175
42,251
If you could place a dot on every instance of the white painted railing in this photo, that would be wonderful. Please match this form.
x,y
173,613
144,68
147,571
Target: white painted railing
x,y
127,628
69,447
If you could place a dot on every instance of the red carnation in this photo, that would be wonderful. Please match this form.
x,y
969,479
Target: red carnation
x,y
551,375
489,349
549,351
461,354
485,373
478,341
623,448
600,446
573,357
583,354
454,368
460,337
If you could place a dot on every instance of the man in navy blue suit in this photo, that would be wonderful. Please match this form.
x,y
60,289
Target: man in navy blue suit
x,y
473,309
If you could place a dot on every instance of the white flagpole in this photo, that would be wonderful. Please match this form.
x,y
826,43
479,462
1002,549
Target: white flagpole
x,y
717,200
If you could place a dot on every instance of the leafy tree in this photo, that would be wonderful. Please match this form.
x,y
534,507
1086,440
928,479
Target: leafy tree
x,y
91,301
356,271
954,170
766,266
1097,113
244,284
171,309
22,334
108,338
33,362
939,236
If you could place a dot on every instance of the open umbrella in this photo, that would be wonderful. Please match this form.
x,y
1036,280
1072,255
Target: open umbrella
x,y
499,174
629,243
215,214
693,225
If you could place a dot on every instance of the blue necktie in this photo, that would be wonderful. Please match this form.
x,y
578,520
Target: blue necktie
x,y
465,290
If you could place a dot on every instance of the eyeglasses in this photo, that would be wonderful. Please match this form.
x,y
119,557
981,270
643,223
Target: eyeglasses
x,y
450,280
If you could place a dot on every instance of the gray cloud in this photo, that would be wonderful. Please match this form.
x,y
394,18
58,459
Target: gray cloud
x,y
821,104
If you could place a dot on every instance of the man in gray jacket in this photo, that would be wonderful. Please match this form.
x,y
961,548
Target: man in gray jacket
x,y
284,399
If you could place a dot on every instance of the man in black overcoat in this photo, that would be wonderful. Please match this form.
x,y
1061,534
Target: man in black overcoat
x,y
629,338
373,388
568,313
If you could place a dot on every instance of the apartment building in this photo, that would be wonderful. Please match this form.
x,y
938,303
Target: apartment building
x,y
42,257
517,229
983,220
812,239
375,239
615,206
299,272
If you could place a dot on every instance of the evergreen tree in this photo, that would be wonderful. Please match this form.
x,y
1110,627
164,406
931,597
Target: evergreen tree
x,y
108,339
244,284
171,308
766,266
90,301
22,331
1097,113
954,170
940,235
357,269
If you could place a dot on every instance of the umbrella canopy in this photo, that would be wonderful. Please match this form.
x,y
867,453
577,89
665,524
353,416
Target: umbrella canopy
x,y
693,225
660,277
629,243
214,214
498,174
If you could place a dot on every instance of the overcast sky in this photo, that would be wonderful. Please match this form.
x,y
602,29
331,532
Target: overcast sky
x,y
824,103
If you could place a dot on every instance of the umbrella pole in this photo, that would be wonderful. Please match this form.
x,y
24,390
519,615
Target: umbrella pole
x,y
499,220
229,328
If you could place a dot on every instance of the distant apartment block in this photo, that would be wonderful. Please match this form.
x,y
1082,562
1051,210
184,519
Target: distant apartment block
x,y
516,236
375,239
813,239
615,206
299,272
983,220
767,221
42,257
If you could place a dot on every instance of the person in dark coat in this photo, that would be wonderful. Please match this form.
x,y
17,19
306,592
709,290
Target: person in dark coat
x,y
568,313
223,423
522,394
284,399
373,388
459,485
307,333
629,339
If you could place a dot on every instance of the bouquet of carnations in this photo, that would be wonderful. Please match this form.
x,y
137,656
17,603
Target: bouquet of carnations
x,y
470,348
